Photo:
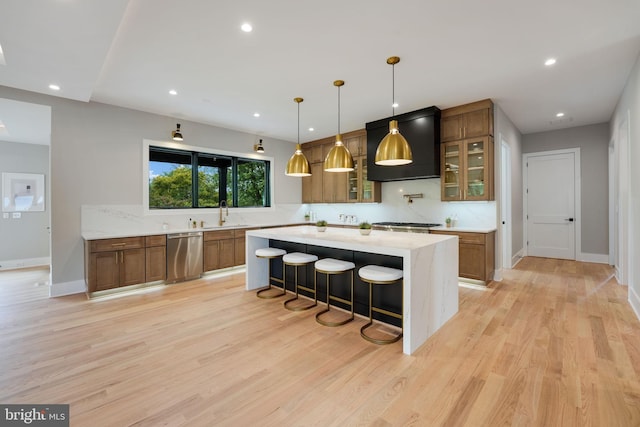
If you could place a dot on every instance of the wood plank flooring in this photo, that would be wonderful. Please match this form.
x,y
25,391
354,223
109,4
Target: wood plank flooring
x,y
554,344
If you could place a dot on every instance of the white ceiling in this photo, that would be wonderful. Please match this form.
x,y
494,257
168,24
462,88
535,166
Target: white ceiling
x,y
131,53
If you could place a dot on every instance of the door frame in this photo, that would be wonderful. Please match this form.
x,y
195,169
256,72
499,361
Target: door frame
x,y
620,215
506,227
577,196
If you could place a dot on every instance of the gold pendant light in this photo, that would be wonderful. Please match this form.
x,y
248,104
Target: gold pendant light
x,y
393,150
298,165
339,158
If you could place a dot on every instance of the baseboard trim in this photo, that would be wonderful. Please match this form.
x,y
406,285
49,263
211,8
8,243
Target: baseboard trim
x,y
24,263
67,288
597,258
634,301
517,258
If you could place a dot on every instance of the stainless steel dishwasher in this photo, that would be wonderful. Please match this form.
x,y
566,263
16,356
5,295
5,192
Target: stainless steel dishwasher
x,y
184,256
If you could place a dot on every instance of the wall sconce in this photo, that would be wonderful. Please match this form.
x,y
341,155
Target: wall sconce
x,y
176,135
258,148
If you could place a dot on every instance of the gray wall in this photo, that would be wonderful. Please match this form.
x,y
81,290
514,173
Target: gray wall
x,y
629,104
506,129
593,141
96,159
28,237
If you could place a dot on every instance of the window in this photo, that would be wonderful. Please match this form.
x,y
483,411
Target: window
x,y
180,179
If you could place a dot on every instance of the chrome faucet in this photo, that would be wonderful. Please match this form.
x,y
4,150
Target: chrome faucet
x,y
223,203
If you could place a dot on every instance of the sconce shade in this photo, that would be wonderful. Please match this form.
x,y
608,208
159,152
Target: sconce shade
x,y
339,158
258,148
298,165
176,135
393,150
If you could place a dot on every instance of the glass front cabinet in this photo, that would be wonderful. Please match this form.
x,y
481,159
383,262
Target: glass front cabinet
x,y
466,169
360,189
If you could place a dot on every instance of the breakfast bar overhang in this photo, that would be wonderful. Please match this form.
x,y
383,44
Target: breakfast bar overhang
x,y
429,264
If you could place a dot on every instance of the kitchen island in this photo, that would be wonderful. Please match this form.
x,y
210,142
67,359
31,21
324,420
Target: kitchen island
x,y
429,264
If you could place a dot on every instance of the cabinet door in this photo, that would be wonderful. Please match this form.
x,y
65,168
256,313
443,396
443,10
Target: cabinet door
x,y
211,255
471,261
132,267
156,263
334,187
104,272
452,170
317,175
476,123
354,180
307,188
476,158
227,253
451,128
239,248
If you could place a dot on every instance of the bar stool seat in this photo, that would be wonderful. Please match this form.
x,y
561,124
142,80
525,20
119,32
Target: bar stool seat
x,y
379,275
269,254
299,259
331,266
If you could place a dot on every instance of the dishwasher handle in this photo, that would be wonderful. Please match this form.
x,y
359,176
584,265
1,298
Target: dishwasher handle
x,y
183,235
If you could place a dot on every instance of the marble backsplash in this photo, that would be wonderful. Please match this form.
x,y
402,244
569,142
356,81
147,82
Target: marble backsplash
x,y
395,207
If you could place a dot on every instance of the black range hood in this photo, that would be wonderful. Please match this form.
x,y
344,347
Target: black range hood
x,y
421,128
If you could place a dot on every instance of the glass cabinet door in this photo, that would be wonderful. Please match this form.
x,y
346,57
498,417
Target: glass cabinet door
x,y
451,176
475,164
352,182
367,193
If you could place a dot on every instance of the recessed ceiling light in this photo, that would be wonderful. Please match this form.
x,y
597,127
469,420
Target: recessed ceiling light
x,y
394,105
560,115
173,92
2,61
311,129
246,27
54,87
550,62
1,125
256,114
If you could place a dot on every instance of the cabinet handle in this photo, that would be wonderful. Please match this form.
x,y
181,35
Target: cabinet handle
x,y
116,257
118,244
121,257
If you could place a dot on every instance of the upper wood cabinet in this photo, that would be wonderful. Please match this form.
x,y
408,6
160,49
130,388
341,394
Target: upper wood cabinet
x,y
467,121
466,154
339,187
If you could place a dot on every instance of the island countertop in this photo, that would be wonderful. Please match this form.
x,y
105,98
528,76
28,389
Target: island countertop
x,y
429,265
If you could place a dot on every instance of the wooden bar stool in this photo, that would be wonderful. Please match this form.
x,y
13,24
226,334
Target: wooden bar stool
x,y
270,254
378,275
298,259
330,266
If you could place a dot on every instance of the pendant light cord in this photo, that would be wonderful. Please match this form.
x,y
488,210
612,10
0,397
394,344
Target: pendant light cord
x,y
393,90
298,123
338,109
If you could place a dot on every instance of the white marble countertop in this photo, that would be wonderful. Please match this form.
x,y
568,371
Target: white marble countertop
x,y
96,234
379,241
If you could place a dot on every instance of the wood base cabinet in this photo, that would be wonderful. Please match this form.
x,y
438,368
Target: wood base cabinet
x,y
112,263
476,255
219,249
156,257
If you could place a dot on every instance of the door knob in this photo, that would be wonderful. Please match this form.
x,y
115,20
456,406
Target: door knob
x,y
569,219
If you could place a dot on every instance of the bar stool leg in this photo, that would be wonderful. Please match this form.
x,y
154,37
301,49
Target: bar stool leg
x,y
261,292
364,335
303,307
326,310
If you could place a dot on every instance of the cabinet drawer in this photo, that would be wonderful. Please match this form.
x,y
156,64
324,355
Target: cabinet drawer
x,y
218,235
463,237
105,245
160,240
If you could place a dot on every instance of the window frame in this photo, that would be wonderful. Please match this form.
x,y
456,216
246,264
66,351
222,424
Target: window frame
x,y
147,144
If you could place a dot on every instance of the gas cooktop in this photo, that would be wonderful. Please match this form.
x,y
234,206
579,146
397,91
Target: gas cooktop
x,y
407,224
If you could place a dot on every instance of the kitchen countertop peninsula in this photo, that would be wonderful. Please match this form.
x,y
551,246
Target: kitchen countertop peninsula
x,y
429,263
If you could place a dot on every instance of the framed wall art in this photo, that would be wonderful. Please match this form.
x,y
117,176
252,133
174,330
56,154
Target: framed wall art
x,y
22,192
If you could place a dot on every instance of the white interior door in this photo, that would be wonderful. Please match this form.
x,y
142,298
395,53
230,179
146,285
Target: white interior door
x,y
551,204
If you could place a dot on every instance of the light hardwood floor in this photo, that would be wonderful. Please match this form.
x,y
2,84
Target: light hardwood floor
x,y
554,344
